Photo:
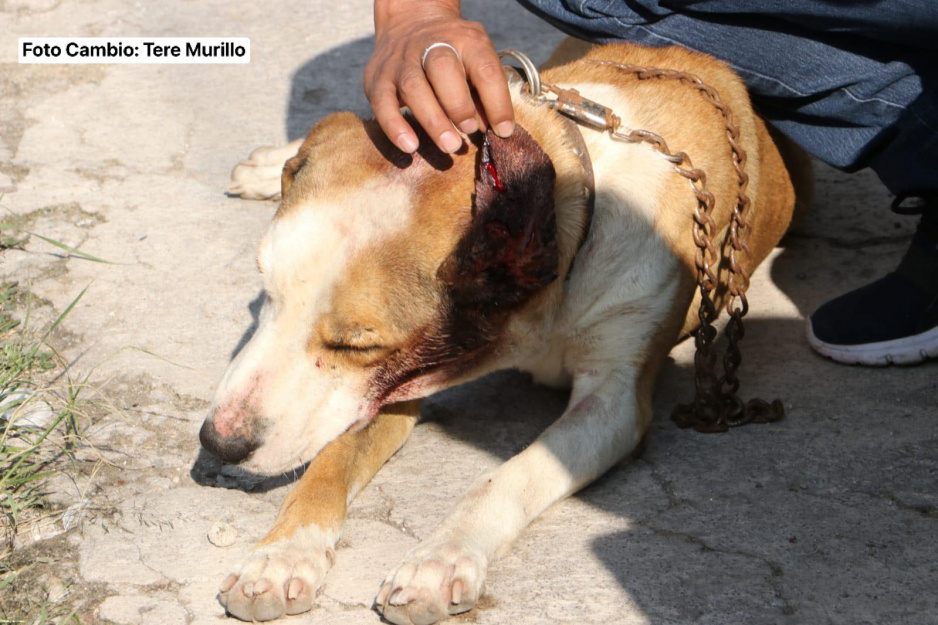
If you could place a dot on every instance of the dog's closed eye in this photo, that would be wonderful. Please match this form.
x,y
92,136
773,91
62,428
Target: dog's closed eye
x,y
360,354
346,347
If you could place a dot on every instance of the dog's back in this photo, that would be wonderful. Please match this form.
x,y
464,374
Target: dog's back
x,y
675,110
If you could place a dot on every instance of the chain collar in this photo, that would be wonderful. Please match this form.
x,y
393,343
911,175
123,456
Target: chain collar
x,y
716,406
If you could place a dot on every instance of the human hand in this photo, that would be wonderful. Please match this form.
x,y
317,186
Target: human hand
x,y
440,95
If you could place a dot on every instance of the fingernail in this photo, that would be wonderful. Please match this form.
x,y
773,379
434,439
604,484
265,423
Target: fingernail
x,y
504,129
450,141
469,126
407,142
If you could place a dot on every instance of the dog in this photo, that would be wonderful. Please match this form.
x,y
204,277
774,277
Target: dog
x,y
390,277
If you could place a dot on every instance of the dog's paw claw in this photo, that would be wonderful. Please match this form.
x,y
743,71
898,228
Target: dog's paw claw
x,y
227,583
277,579
436,580
295,589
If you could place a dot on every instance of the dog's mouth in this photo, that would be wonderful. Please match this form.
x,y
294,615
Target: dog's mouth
x,y
246,479
358,425
241,477
415,388
292,463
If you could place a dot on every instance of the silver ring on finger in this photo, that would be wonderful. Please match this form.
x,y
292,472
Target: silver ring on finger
x,y
439,44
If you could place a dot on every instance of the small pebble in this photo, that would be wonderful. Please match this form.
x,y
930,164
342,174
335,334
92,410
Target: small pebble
x,y
73,515
222,534
26,409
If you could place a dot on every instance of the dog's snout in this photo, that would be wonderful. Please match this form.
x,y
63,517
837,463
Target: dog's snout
x,y
232,449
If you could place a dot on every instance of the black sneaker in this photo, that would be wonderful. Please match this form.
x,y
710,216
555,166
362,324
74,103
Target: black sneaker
x,y
893,320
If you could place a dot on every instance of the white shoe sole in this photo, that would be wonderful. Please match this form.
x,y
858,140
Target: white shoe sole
x,y
909,350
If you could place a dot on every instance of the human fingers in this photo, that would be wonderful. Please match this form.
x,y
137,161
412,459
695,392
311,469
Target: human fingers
x,y
387,110
447,77
415,91
487,76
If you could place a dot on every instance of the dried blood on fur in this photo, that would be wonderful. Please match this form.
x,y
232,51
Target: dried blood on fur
x,y
507,253
510,248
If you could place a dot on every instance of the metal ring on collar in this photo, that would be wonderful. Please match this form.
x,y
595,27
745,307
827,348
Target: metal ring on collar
x,y
527,65
439,44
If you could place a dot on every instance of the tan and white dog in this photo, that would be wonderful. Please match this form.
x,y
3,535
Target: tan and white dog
x,y
391,277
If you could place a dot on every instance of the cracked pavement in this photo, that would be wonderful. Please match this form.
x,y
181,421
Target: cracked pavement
x,y
829,516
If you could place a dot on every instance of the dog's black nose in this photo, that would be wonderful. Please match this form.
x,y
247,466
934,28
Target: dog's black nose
x,y
232,449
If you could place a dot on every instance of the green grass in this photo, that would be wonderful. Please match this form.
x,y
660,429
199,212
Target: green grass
x,y
31,377
28,383
34,375
14,235
21,236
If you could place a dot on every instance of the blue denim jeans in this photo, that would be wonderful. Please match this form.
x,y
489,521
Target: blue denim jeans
x,y
853,82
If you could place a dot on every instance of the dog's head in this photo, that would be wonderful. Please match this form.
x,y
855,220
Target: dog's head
x,y
388,277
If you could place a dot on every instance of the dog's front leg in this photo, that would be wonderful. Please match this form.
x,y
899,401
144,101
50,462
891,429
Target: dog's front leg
x,y
284,571
445,573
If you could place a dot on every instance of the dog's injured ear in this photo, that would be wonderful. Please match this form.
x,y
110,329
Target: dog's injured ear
x,y
509,250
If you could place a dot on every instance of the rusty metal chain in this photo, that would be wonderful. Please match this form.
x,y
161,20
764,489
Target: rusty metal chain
x,y
716,406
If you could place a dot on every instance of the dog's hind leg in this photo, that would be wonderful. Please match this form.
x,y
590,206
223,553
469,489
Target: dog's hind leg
x,y
284,572
258,176
605,420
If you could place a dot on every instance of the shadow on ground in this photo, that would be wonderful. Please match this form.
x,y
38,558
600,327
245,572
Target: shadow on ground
x,y
822,511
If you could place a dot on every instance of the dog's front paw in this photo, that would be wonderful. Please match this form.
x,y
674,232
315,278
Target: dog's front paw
x,y
437,579
279,578
258,176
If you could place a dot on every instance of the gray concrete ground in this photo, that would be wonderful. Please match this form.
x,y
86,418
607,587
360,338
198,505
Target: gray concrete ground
x,y
827,517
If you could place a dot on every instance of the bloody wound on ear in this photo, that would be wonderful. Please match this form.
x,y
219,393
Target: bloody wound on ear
x,y
509,250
